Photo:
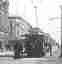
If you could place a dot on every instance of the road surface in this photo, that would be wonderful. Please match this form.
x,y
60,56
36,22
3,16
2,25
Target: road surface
x,y
44,60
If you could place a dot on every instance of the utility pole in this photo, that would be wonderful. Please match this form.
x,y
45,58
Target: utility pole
x,y
61,30
61,27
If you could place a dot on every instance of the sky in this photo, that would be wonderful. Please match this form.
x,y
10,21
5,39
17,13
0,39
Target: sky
x,y
46,9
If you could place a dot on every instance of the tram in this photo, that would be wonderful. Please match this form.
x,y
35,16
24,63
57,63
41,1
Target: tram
x,y
33,43
32,46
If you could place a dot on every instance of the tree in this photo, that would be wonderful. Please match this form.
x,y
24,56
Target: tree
x,y
4,6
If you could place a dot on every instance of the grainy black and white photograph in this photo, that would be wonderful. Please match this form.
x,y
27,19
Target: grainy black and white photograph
x,y
30,31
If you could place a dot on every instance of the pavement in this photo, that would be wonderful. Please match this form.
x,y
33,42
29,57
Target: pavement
x,y
44,60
